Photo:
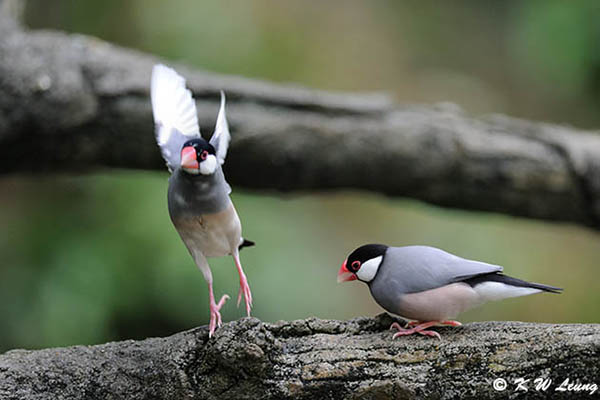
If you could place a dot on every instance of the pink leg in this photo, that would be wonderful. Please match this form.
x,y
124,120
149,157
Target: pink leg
x,y
215,315
420,329
450,323
244,287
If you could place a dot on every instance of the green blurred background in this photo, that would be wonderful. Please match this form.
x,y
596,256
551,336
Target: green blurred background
x,y
92,258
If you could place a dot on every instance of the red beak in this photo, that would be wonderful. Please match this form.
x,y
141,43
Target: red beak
x,y
188,158
344,275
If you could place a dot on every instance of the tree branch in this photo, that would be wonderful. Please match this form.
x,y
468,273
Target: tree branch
x,y
75,103
309,359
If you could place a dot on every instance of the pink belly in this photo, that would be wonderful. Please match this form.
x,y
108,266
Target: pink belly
x,y
438,304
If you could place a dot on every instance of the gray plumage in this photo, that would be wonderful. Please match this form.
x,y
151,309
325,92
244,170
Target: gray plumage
x,y
198,195
419,268
170,149
191,195
414,269
429,284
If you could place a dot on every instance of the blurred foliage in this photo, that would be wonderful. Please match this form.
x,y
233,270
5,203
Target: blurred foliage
x,y
87,259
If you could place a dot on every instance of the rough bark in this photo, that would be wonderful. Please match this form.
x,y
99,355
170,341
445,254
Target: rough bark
x,y
76,103
310,359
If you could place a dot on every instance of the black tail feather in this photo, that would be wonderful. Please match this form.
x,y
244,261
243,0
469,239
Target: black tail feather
x,y
508,280
246,243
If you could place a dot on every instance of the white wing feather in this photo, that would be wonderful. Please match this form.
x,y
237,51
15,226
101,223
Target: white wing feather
x,y
172,104
174,113
221,137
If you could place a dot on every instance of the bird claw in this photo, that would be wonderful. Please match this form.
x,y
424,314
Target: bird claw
x,y
430,333
215,315
450,323
417,327
396,325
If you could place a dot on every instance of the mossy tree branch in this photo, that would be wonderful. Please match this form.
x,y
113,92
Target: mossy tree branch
x,y
309,359
76,103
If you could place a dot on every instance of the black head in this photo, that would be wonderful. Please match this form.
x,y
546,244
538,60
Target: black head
x,y
200,145
364,253
363,263
198,157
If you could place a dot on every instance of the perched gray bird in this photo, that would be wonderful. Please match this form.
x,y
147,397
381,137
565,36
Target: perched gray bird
x,y
428,285
198,196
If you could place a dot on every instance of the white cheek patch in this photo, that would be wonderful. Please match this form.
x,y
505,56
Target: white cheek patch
x,y
209,165
369,269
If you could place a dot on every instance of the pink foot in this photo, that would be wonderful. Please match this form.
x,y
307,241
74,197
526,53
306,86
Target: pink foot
x,y
450,323
396,326
215,315
419,328
430,333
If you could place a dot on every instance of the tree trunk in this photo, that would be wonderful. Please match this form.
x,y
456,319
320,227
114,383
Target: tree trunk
x,y
313,359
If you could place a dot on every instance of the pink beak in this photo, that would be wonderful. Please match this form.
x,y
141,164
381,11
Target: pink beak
x,y
344,275
188,158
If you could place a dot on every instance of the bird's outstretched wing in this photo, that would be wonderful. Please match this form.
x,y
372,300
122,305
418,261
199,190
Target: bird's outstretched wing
x,y
220,139
174,113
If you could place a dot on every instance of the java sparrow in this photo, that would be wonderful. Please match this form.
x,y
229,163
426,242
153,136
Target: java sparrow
x,y
429,285
198,195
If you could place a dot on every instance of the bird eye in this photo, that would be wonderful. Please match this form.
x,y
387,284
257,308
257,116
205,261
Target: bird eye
x,y
203,155
355,266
